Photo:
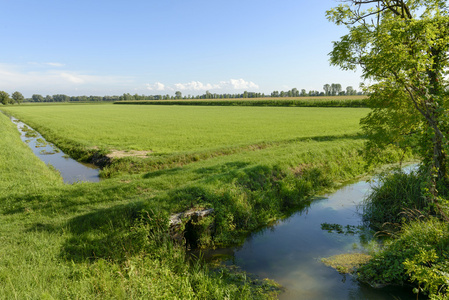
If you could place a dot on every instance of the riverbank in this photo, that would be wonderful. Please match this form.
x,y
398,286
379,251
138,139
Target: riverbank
x,y
91,240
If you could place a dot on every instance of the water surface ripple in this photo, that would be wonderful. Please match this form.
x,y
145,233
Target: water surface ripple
x,y
290,252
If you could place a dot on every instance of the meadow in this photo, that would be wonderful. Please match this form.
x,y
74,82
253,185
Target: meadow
x,y
109,239
169,129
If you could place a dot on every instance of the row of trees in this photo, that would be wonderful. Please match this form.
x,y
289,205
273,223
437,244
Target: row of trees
x,y
5,99
329,90
334,89
65,98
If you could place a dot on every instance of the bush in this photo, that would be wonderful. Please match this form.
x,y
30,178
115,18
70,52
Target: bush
x,y
419,255
394,199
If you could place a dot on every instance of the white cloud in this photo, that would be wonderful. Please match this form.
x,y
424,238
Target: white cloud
x,y
51,81
52,78
46,64
54,64
232,84
156,87
196,86
72,78
240,84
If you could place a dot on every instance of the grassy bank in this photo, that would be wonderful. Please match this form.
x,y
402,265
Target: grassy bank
x,y
417,251
109,239
85,241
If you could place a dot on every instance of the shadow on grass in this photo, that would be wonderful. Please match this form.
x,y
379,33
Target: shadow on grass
x,y
222,168
70,199
110,233
155,166
42,227
158,173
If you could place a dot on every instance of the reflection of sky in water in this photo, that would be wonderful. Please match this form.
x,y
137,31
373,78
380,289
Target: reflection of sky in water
x,y
71,171
290,252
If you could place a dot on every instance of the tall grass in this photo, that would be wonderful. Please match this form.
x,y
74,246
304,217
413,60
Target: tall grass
x,y
395,199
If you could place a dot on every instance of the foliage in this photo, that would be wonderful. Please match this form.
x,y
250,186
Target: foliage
x,y
395,199
429,272
4,98
403,46
18,97
419,254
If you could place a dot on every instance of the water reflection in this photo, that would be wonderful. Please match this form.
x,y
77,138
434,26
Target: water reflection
x,y
71,170
291,252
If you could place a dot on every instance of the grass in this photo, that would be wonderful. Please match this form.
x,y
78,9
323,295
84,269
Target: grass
x,y
88,240
346,263
173,129
108,239
395,200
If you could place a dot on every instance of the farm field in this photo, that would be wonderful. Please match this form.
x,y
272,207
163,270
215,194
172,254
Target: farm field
x,y
321,101
170,129
92,239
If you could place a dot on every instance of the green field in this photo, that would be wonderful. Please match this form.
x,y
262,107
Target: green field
x,y
108,240
169,129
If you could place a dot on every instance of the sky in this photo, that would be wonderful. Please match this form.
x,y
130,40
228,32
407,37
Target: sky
x,y
97,47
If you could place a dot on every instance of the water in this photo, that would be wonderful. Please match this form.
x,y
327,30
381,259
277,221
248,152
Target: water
x,y
290,252
71,170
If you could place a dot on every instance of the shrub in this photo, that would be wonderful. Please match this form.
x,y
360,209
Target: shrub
x,y
393,197
419,255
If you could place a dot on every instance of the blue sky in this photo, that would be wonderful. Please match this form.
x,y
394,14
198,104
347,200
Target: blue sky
x,y
149,47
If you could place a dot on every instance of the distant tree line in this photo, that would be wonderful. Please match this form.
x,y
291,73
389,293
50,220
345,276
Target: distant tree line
x,y
16,97
333,89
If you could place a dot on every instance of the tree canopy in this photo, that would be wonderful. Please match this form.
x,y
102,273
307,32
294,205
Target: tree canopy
x,y
4,98
18,97
402,46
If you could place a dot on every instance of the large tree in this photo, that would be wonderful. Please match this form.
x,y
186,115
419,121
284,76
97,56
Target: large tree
x,y
4,98
402,46
18,97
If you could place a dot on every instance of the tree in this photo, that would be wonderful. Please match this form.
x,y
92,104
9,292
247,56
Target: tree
x,y
4,98
327,89
178,95
403,47
295,92
350,90
18,97
37,98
